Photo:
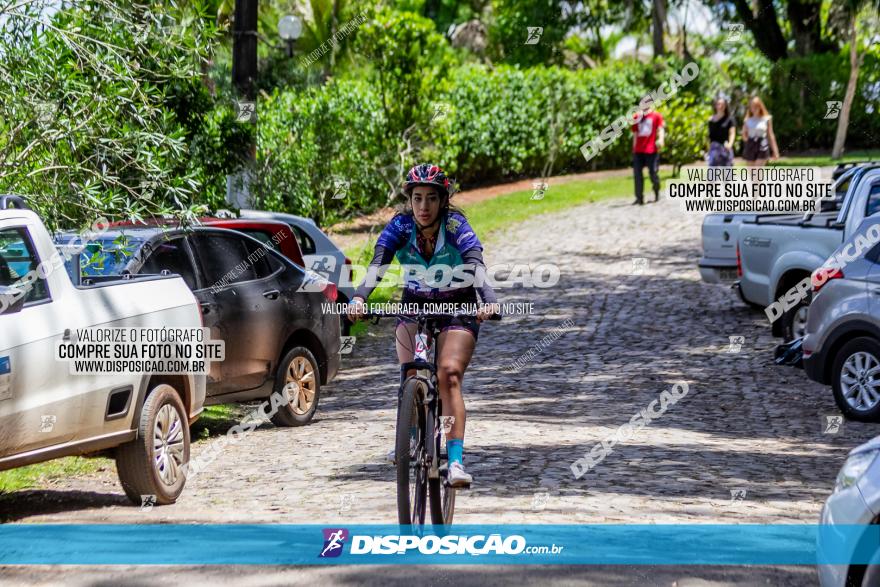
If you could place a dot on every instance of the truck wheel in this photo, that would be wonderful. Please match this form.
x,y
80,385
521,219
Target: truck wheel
x,y
152,463
855,379
298,377
794,321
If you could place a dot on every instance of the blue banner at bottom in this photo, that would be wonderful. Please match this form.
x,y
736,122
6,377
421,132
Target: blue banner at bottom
x,y
272,544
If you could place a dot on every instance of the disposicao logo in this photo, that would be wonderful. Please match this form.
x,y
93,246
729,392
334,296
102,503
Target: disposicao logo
x,y
334,539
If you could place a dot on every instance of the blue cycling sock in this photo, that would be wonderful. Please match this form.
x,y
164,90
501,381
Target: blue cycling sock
x,y
454,447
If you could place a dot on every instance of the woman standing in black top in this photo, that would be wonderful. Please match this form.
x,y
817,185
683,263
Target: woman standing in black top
x,y
722,133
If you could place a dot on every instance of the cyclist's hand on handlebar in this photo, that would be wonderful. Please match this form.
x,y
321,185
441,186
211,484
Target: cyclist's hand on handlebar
x,y
486,311
356,309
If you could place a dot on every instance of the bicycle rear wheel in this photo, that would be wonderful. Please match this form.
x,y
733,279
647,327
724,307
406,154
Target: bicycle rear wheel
x,y
412,474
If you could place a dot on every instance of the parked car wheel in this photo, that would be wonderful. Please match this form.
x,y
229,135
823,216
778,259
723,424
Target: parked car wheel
x,y
856,379
299,377
152,463
794,321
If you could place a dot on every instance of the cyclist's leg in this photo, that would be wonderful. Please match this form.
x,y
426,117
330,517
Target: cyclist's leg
x,y
405,335
454,351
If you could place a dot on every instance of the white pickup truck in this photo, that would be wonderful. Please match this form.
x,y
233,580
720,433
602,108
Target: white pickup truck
x,y
45,412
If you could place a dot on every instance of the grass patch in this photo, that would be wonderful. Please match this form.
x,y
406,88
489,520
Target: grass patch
x,y
41,473
825,160
492,215
216,420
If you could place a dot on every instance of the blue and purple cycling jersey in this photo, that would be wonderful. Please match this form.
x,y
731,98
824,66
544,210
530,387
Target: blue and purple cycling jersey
x,y
457,245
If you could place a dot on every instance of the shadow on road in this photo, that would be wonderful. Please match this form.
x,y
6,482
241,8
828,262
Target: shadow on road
x,y
23,504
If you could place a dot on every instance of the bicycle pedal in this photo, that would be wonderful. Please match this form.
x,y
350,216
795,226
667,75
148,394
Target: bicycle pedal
x,y
446,483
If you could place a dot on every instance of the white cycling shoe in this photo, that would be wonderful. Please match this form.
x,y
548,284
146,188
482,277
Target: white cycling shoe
x,y
456,476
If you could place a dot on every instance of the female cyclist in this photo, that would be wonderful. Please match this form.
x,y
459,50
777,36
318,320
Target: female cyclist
x,y
430,233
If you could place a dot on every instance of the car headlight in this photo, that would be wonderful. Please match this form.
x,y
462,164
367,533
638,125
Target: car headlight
x,y
853,469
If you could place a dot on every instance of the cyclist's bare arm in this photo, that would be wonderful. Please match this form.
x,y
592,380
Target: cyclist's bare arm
x,y
382,256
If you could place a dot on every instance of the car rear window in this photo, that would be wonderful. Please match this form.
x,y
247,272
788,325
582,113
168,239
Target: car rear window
x,y
306,244
263,237
223,259
173,257
18,258
260,257
108,255
873,205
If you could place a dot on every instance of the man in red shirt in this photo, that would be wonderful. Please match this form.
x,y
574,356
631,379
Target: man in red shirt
x,y
648,138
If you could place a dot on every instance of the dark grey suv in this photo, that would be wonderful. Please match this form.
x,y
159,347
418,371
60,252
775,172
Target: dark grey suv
x,y
278,338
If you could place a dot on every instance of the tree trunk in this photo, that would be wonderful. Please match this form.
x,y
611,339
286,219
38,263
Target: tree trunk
x,y
849,97
334,24
805,17
764,27
432,9
599,48
658,15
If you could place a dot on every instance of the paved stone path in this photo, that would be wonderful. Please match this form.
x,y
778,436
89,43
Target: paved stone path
x,y
746,427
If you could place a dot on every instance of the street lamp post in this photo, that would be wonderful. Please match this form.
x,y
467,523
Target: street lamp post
x,y
290,29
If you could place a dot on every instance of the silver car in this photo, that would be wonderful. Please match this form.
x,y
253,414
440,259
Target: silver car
x,y
841,346
320,254
854,505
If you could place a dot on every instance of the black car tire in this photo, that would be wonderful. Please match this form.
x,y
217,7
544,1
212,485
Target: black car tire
x,y
788,318
139,469
863,344
298,365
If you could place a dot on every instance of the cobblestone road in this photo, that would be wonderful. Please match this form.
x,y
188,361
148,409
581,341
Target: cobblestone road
x,y
745,426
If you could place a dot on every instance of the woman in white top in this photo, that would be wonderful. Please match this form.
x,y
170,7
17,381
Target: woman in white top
x,y
759,142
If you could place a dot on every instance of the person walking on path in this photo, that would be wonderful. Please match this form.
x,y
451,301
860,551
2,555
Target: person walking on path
x,y
648,138
722,134
759,141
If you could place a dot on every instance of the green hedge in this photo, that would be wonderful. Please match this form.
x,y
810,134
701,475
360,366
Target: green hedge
x,y
505,122
306,140
497,124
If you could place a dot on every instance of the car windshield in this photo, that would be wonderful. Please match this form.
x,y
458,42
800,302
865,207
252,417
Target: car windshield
x,y
106,255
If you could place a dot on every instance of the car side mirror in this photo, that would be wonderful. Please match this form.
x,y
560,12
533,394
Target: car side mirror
x,y
11,300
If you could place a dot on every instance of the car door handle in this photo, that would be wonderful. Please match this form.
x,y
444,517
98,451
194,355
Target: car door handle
x,y
272,294
206,307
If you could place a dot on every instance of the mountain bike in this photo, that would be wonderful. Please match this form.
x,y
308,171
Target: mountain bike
x,y
421,464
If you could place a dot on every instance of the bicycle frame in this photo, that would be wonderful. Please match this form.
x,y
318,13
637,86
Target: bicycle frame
x,y
426,371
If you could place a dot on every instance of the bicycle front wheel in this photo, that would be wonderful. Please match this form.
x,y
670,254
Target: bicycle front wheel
x,y
410,452
442,501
